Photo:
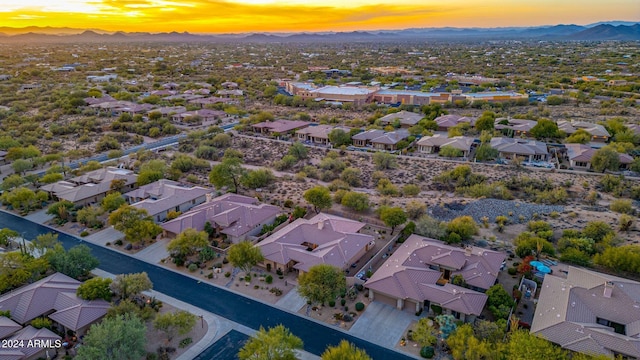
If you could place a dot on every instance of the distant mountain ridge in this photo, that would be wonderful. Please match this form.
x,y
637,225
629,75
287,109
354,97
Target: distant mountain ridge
x,y
618,30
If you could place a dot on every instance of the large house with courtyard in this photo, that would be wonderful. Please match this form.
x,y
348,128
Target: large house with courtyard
x,y
418,276
323,239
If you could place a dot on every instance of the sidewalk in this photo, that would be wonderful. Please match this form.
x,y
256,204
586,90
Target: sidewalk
x,y
217,326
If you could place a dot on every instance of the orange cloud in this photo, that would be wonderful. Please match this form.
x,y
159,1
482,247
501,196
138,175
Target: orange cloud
x,y
219,16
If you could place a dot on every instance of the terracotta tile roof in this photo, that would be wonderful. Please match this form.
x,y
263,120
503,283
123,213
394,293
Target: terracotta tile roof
x,y
323,239
7,327
31,333
236,214
405,118
164,195
568,311
411,273
56,292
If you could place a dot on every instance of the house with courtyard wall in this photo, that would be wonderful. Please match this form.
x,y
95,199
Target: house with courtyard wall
x,y
590,312
163,196
323,239
235,217
418,277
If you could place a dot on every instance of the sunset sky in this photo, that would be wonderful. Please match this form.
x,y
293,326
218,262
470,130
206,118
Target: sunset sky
x,y
220,16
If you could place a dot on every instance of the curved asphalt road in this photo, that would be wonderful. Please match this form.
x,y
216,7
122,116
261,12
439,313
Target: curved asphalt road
x,y
245,311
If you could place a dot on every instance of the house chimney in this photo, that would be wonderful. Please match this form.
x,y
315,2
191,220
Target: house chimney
x,y
467,250
320,225
608,288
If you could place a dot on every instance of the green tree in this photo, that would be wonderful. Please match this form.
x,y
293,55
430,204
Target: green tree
x,y
127,286
258,178
464,226
322,283
465,345
431,228
175,323
7,235
597,230
12,181
17,268
605,158
579,137
43,243
499,301
75,263
523,345
546,129
122,337
344,351
24,199
61,210
277,343
244,255
298,150
152,170
112,201
424,333
620,259
410,190
450,151
51,178
485,152
228,173
319,197
384,160
21,165
415,209
392,217
356,201
135,223
89,216
352,176
188,243
339,137
221,140
485,122
95,288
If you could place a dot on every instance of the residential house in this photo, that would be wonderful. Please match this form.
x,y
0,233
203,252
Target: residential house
x,y
280,127
202,117
510,149
133,109
229,85
363,139
580,156
103,99
351,94
163,196
389,140
91,187
53,297
230,93
590,312
598,132
419,274
515,127
448,121
433,144
323,239
203,102
235,216
318,134
406,119
167,111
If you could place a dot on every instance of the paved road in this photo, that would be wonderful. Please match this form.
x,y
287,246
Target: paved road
x,y
245,311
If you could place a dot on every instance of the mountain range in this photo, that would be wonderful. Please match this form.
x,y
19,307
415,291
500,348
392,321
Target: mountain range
x,y
614,30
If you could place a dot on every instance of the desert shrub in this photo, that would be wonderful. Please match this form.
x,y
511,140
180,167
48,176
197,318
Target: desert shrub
x,y
332,303
512,271
437,309
551,197
268,279
427,352
193,267
41,322
185,342
622,206
359,306
343,302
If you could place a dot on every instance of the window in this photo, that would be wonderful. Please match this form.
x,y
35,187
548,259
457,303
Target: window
x,y
617,327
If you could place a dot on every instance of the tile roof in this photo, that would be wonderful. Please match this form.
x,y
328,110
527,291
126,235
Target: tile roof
x,y
439,140
572,126
31,333
7,327
407,274
519,146
281,126
405,117
330,90
336,242
584,153
391,138
368,135
236,214
164,195
321,131
90,184
56,292
515,124
568,311
447,121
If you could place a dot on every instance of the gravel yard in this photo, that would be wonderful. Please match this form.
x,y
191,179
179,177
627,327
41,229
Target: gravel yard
x,y
491,208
